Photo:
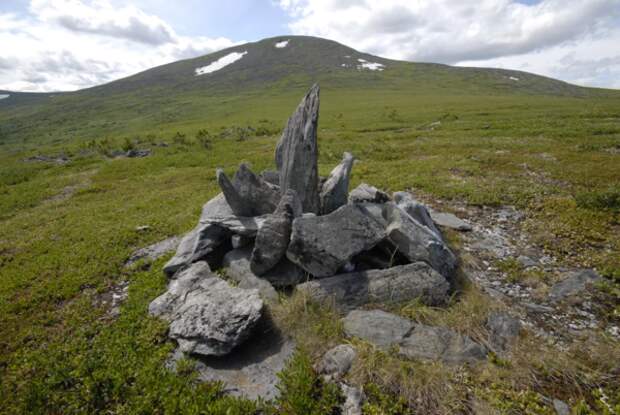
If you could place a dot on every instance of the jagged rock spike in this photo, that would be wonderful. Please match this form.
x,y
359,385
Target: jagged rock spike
x,y
335,190
234,199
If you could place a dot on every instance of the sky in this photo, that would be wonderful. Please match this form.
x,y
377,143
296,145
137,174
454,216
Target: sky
x,y
59,45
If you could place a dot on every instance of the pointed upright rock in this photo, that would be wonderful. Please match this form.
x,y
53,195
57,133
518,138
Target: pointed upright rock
x,y
297,152
335,191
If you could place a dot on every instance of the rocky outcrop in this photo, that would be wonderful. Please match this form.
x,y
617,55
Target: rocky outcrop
x,y
575,283
207,316
365,193
503,330
416,210
297,152
377,327
417,242
392,285
323,244
273,236
335,190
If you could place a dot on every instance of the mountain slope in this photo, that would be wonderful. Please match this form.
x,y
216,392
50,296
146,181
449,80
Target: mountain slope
x,y
278,66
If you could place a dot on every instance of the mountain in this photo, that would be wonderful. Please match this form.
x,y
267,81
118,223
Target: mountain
x,y
280,66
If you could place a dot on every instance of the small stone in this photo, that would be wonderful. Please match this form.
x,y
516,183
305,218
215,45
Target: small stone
x,y
526,262
561,408
449,220
337,361
503,330
377,327
154,251
353,400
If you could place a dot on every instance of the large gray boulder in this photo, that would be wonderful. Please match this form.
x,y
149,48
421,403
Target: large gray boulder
x,y
297,152
396,284
274,235
365,193
416,210
441,344
417,242
284,274
377,327
323,244
335,190
207,316
248,194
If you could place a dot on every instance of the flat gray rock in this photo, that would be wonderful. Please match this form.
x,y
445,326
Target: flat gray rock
x,y
392,285
251,370
335,191
207,316
449,220
416,210
561,408
284,274
441,344
376,327
417,242
323,244
184,253
365,193
260,194
503,330
575,283
273,237
297,152
154,251
353,400
337,361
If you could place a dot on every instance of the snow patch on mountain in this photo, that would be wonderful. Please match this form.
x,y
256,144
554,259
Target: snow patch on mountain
x,y
220,63
2,96
513,78
372,66
283,44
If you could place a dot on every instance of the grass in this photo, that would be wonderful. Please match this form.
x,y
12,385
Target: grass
x,y
553,157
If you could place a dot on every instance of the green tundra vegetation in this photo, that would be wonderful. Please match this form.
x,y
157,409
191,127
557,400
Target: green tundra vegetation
x,y
468,135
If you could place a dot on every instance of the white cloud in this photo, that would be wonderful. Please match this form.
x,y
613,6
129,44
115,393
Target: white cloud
x,y
475,32
73,44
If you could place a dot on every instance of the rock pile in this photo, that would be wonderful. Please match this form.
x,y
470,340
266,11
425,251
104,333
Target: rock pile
x,y
291,228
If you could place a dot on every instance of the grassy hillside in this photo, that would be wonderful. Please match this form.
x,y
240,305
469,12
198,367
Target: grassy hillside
x,y
459,135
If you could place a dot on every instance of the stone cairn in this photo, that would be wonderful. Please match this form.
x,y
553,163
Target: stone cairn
x,y
290,228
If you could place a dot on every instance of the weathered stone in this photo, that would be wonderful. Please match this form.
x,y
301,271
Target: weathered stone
x,y
576,282
397,284
442,344
251,369
261,195
416,210
207,316
365,193
503,330
237,265
274,235
449,220
337,361
284,274
297,152
323,244
417,242
335,191
561,408
353,400
272,177
238,205
183,254
377,327
154,251
526,261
